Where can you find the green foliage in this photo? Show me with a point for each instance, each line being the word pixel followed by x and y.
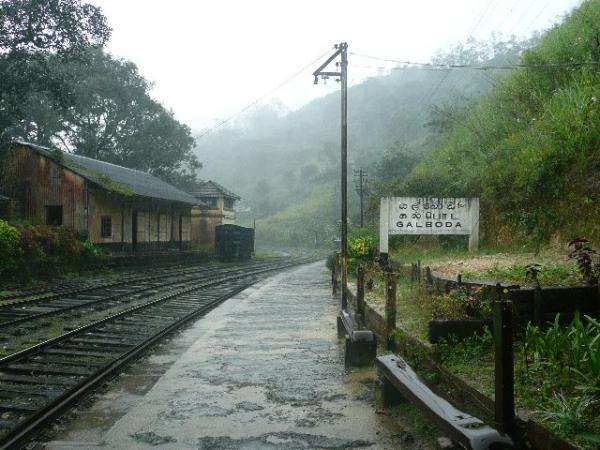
pixel 362 247
pixel 9 248
pixel 461 303
pixel 113 185
pixel 53 25
pixel 566 351
pixel 571 415
pixel 59 88
pixel 36 40
pixel 559 274
pixel 47 250
pixel 308 223
pixel 122 124
pixel 455 350
pixel 297 153
pixel 562 368
pixel 538 132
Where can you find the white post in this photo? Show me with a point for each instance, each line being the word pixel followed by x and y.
pixel 474 236
pixel 384 219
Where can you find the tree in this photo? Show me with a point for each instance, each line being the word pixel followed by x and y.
pixel 33 83
pixel 50 25
pixel 395 163
pixel 59 88
pixel 115 119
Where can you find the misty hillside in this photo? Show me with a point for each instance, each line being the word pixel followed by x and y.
pixel 530 148
pixel 274 160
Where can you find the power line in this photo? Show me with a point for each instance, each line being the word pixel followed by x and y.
pixel 262 97
pixel 432 66
pixel 522 16
pixel 481 17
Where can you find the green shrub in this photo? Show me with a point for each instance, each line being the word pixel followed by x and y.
pixel 462 304
pixel 567 351
pixel 46 250
pixel 466 350
pixel 9 248
pixel 362 247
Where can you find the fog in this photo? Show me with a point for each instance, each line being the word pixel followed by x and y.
pixel 209 59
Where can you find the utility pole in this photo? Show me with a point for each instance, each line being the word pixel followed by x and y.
pixel 341 50
pixel 360 182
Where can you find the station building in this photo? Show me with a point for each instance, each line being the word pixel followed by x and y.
pixel 215 207
pixel 116 207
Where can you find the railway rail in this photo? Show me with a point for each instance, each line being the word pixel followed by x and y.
pixel 37 383
pixel 68 287
pixel 100 296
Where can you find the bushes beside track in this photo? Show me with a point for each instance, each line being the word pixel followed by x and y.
pixel 40 250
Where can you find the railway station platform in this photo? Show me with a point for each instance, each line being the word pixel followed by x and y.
pixel 264 370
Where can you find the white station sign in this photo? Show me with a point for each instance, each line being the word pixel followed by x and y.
pixel 429 215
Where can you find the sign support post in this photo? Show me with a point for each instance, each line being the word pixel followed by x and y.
pixel 384 219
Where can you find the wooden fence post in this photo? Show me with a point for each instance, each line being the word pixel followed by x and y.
pixel 334 277
pixel 504 403
pixel 419 271
pixel 428 277
pixel 390 307
pixel 537 306
pixel 360 291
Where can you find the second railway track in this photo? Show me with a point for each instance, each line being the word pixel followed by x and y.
pixel 38 382
pixel 115 290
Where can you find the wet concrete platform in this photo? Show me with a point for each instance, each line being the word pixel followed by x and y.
pixel 262 371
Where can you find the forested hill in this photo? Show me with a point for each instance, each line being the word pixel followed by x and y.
pixel 531 147
pixel 286 165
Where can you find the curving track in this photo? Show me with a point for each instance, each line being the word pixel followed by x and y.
pixel 39 382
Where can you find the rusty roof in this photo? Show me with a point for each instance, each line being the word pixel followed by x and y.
pixel 115 178
pixel 212 189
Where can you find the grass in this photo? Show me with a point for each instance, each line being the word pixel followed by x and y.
pixel 546 391
pixel 493 264
pixel 413 310
pixel 56 328
pixel 559 274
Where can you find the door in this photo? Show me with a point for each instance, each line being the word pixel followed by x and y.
pixel 134 230
pixel 180 231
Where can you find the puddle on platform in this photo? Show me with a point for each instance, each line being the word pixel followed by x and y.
pixel 262 371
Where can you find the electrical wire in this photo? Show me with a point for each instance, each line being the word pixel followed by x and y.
pixel 422 65
pixel 262 97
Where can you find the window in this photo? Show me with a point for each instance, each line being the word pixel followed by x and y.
pixel 229 203
pixel 211 202
pixel 106 226
pixel 54 215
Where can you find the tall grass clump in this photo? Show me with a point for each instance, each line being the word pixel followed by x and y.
pixel 531 148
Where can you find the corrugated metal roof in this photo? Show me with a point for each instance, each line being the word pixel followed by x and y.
pixel 212 189
pixel 115 178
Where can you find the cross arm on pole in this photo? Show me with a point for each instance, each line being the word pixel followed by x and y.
pixel 326 63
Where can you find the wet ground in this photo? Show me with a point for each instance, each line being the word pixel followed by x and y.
pixel 262 371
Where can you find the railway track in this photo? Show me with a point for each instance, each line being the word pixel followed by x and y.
pixel 56 290
pixel 39 382
pixel 101 296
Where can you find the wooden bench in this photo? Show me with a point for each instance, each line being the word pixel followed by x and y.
pixel 401 382
pixel 361 345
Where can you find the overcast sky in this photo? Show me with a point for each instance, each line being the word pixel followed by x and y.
pixel 209 59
